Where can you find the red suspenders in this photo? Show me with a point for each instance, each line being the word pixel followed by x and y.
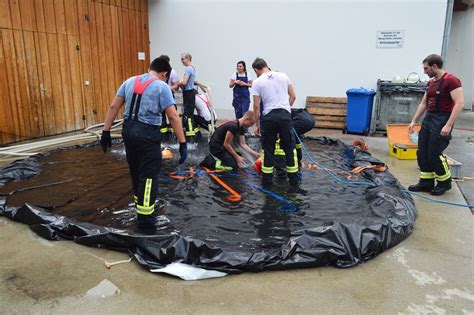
pixel 138 89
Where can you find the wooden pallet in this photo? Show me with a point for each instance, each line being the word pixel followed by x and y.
pixel 330 112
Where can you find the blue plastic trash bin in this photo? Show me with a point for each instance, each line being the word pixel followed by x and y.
pixel 359 110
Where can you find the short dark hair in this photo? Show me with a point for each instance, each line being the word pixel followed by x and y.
pixel 165 57
pixel 259 64
pixel 434 59
pixel 160 65
pixel 241 62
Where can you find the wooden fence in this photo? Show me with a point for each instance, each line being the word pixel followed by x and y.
pixel 61 62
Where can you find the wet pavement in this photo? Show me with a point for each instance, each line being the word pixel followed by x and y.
pixel 430 272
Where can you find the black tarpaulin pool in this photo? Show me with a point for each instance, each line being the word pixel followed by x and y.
pixel 80 194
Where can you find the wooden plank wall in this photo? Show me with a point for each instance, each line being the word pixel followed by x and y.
pixel 330 112
pixel 61 62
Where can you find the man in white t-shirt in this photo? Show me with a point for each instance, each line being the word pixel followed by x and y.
pixel 276 93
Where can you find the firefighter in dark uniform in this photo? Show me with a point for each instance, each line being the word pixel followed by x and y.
pixel 146 97
pixel 275 91
pixel 442 102
pixel 222 155
pixel 189 97
pixel 302 123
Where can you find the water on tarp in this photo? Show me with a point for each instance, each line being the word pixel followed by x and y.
pixel 90 186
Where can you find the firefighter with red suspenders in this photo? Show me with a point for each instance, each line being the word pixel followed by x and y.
pixel 442 102
pixel 146 97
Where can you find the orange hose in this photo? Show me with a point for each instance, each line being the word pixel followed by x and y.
pixel 234 197
pixel 174 174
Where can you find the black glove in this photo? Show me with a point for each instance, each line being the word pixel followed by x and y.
pixel 183 152
pixel 105 140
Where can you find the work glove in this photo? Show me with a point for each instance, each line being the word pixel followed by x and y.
pixel 105 140
pixel 183 152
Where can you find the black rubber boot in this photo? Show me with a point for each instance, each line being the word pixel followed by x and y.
pixel 426 185
pixel 267 180
pixel 147 221
pixel 294 179
pixel 441 188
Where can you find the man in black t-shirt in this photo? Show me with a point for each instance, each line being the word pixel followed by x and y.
pixel 222 154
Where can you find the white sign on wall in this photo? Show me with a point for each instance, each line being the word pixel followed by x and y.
pixel 390 39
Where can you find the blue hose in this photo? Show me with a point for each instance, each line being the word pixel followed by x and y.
pixel 436 200
pixel 347 182
pixel 372 184
pixel 287 207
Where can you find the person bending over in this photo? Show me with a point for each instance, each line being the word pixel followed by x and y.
pixel 222 154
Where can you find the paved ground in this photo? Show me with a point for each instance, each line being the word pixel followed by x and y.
pixel 462 150
pixel 430 272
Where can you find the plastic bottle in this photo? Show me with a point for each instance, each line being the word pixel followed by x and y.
pixel 414 137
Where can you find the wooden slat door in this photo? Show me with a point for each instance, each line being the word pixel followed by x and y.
pixel 60 83
pixel 62 61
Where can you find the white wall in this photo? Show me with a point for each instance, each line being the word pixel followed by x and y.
pixel 325 47
pixel 461 51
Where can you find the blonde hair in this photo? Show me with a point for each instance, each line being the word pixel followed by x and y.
pixel 250 116
pixel 187 56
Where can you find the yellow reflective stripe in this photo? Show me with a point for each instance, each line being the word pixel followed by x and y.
pixel 135 198
pixel 164 130
pixel 267 170
pixel 299 146
pixel 444 162
pixel 443 177
pixel 277 145
pixel 279 152
pixel 145 210
pixel 427 175
pixel 147 193
pixel 219 166
pixel 293 169
pixel 190 131
pixel 295 158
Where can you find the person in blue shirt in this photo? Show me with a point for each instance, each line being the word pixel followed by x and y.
pixel 189 96
pixel 146 97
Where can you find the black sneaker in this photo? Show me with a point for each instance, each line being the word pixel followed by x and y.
pixel 440 189
pixel 421 187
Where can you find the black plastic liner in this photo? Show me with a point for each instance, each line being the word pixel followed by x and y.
pixel 333 224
